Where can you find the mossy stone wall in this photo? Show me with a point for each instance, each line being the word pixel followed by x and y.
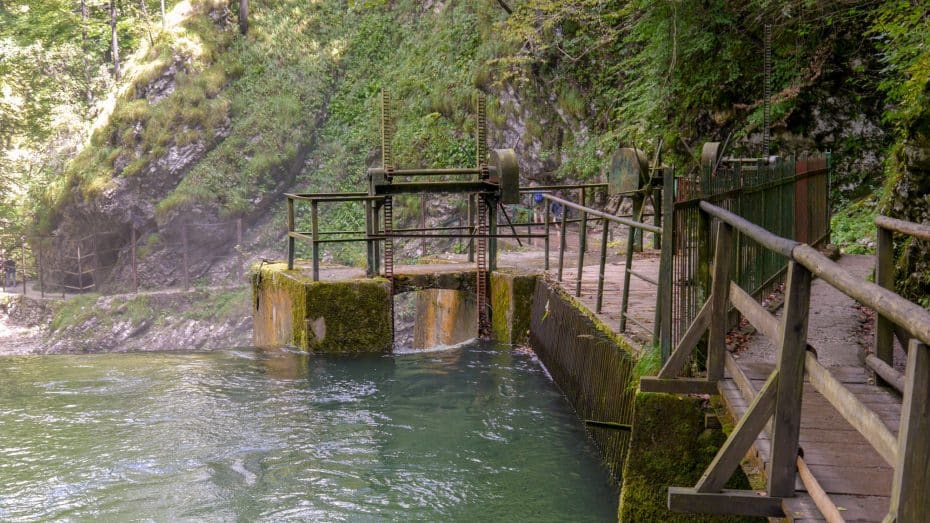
pixel 341 316
pixel 669 446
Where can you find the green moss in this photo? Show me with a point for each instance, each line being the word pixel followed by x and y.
pixel 511 306
pixel 669 446
pixel 342 316
pixel 73 311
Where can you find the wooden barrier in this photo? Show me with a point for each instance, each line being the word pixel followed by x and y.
pixel 778 403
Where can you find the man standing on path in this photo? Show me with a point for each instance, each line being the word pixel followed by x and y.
pixel 9 273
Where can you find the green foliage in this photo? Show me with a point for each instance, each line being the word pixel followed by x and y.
pixel 74 311
pixel 852 229
pixel 902 28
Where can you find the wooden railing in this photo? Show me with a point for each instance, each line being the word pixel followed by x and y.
pixel 885 330
pixel 779 399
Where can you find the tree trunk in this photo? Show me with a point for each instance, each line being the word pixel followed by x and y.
pixel 113 39
pixel 87 92
pixel 243 16
pixel 148 22
pixel 163 15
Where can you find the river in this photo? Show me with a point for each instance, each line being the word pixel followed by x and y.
pixel 473 433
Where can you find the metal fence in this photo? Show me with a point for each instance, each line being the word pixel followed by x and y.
pixel 123 260
pixel 788 197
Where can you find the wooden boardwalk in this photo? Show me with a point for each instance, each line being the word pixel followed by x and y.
pixel 850 471
pixel 855 478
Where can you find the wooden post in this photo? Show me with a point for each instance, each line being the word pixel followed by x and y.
pixel 132 259
pixel 290 239
pixel 884 277
pixel 786 425
pixel 546 240
pixel 315 235
pixel 186 260
pixel 239 260
pixel 720 299
pixel 603 262
pixel 911 484
pixel 562 241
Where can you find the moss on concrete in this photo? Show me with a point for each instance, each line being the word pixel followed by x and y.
pixel 511 306
pixel 669 446
pixel 327 316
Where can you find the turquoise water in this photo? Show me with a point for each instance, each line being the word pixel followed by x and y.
pixel 466 434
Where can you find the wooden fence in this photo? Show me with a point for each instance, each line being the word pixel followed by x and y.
pixel 779 400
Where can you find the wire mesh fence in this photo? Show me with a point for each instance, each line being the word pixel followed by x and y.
pixel 123 260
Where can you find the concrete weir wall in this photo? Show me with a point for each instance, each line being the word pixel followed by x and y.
pixel 591 365
pixel 290 308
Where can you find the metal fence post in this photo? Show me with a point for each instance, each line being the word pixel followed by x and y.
pixel 22 246
pixel 369 248
pixel 290 229
pixel 628 263
pixel 582 245
pixel 546 239
pixel 562 241
pixel 471 227
pixel 603 262
pixel 132 258
pixel 186 260
pixel 239 260
pixel 315 235
pixel 40 266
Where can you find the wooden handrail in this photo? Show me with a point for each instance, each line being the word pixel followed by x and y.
pixel 917 230
pixel 912 317
pixel 768 240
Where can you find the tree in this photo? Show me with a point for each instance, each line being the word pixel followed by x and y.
pixel 87 93
pixel 244 16
pixel 113 39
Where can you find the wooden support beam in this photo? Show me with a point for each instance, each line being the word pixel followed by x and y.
pixel 755 313
pixel 740 440
pixel 719 299
pixel 685 347
pixel 735 502
pixel 853 411
pixel 678 385
pixel 911 484
pixel 786 424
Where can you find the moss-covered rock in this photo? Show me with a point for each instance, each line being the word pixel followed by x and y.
pixel 670 446
pixel 321 316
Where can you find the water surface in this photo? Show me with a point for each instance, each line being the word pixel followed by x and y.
pixel 466 434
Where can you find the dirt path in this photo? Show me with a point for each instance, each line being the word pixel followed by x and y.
pixel 835 326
